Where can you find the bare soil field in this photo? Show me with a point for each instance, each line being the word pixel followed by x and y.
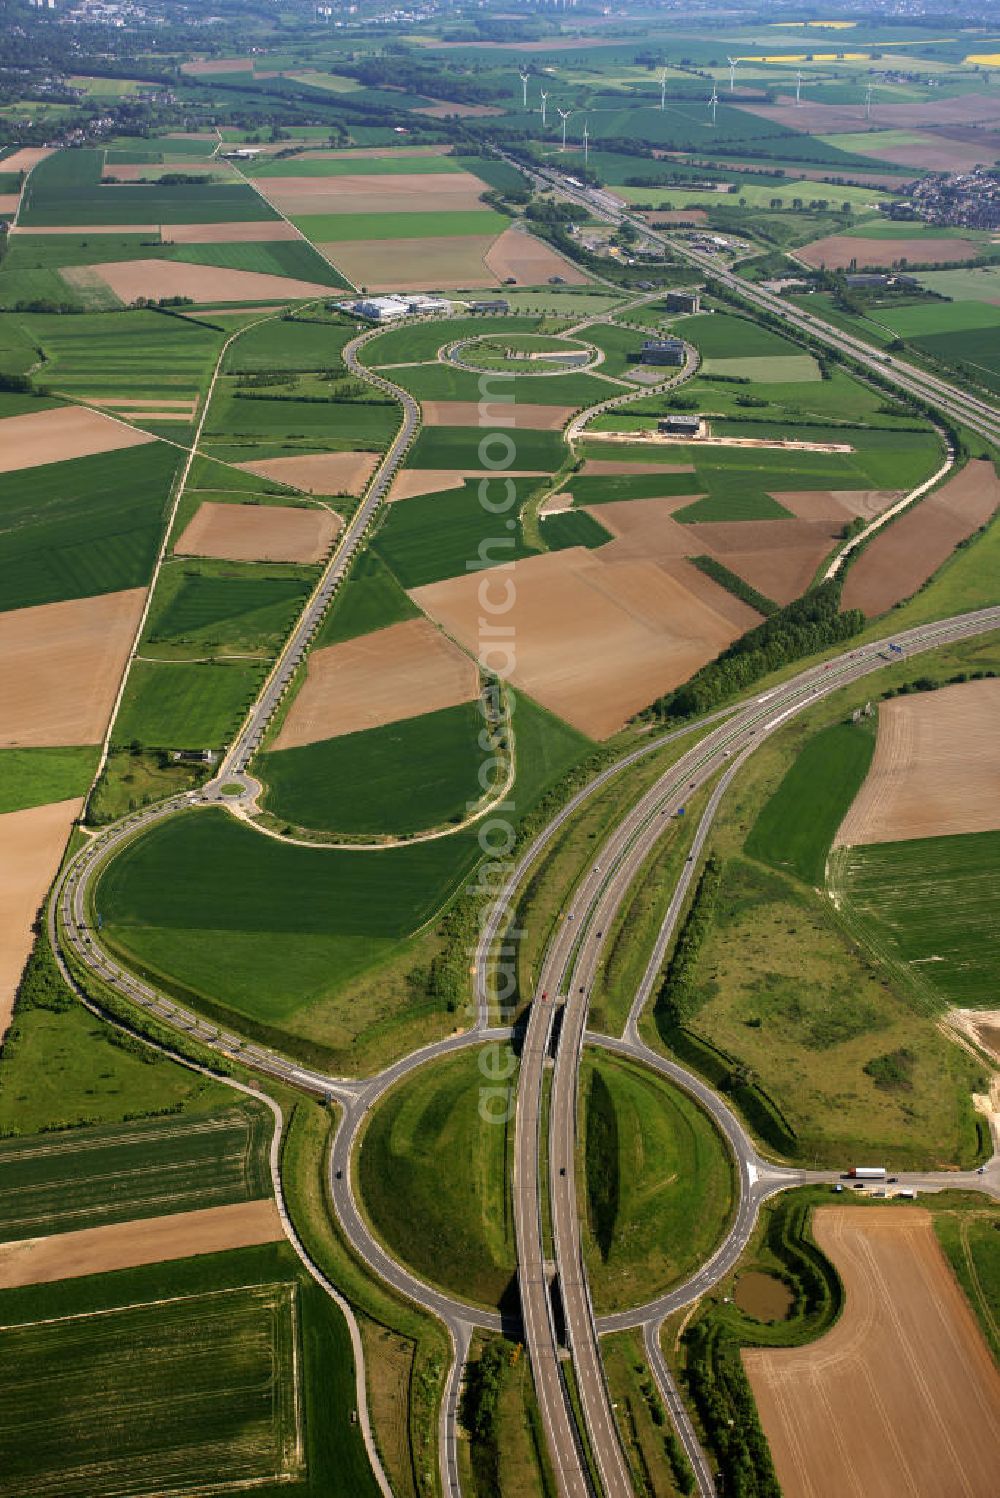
pixel 217 65
pixel 836 504
pixel 151 229
pixel 910 549
pixel 491 414
pixel 836 251
pixel 31 846
pixel 902 1395
pixel 24 159
pixel 265 231
pixel 597 638
pixel 456 261
pixel 823 173
pixel 531 261
pixel 935 153
pixel 395 673
pixel 413 482
pixel 778 557
pixel 443 108
pixel 60 666
pixel 319 473
pixel 833 119
pixel 646 527
pixel 376 153
pixel 9 202
pixel 258 533
pixel 675 215
pixel 935 770
pixel 608 467
pixel 64 432
pixel 129 279
pixel 372 193
pixel 126 1245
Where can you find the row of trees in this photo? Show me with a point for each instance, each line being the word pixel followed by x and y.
pixel 676 1001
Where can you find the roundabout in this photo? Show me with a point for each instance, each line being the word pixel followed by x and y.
pixel 534 354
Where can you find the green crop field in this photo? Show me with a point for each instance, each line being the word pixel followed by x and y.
pixel 185 704
pixel 36 777
pixel 769 369
pixel 246 1369
pixel 572 528
pixel 795 829
pixel 370 599
pixel 599 489
pixel 332 166
pixel 339 228
pixel 57 1183
pixel 399 778
pixel 272 257
pixel 66 189
pixel 422 340
pixel 129 354
pixel 722 335
pixel 437 535
pixel 932 906
pixel 434 1177
pixel 929 318
pixel 288 343
pixel 476 447
pixel 310 425
pixel 86 526
pixel 228 607
pixel 655 1181
pixel 975 350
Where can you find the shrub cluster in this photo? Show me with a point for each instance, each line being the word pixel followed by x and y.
pixel 675 1001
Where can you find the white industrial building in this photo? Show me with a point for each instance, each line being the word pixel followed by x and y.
pixel 388 308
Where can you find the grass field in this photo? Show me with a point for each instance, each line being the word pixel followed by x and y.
pixel 247 1369
pixel 421 340
pixel 132 354
pixel 184 704
pixel 90 525
pixel 370 599
pixel 288 343
pixel 655 1180
pixel 434 1178
pixel 238 423
pixel 332 166
pixel 339 228
pixel 442 382
pixel 400 778
pixel 971 1240
pixel 459 447
pixel 924 318
pixel 439 535
pixel 974 350
pixel 66 189
pixel 225 608
pixel 723 335
pixel 931 907
pixel 58 1183
pixel 34 777
pixel 796 827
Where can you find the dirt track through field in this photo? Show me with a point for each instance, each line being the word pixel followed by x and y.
pixel 150 1240
pixel 909 550
pixel 902 1396
pixel 454 261
pixel 395 673
pixel 60 665
pixel 936 769
pixel 129 279
pixel 31 846
pixel 258 533
pixel 64 432
pixel 596 638
pixel 530 261
pixel 319 473
pixel 491 414
pixel 837 251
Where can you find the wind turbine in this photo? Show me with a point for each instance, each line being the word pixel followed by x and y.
pixel 663 88
pixel 713 102
pixel 544 97
pixel 564 115
pixel 798 87
pixel 586 144
pixel 868 100
pixel 524 74
pixel 732 61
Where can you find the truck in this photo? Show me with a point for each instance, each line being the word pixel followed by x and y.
pixel 866 1173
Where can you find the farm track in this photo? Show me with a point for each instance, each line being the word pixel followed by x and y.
pixel 574 960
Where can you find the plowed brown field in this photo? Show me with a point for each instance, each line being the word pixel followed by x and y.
pixel 595 639
pixel 906 553
pixel 982 107
pixel 530 261
pixel 319 473
pixel 64 432
pixel 902 1396
pixel 413 482
pixel 375 193
pixel 496 414
pixel 31 846
pixel 8 203
pixel 24 159
pixel 129 279
pixel 126 1245
pixel 395 673
pixel 936 769
pixel 258 533
pixel 415 264
pixel 264 230
pixel 60 666
pixel 831 504
pixel 837 251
